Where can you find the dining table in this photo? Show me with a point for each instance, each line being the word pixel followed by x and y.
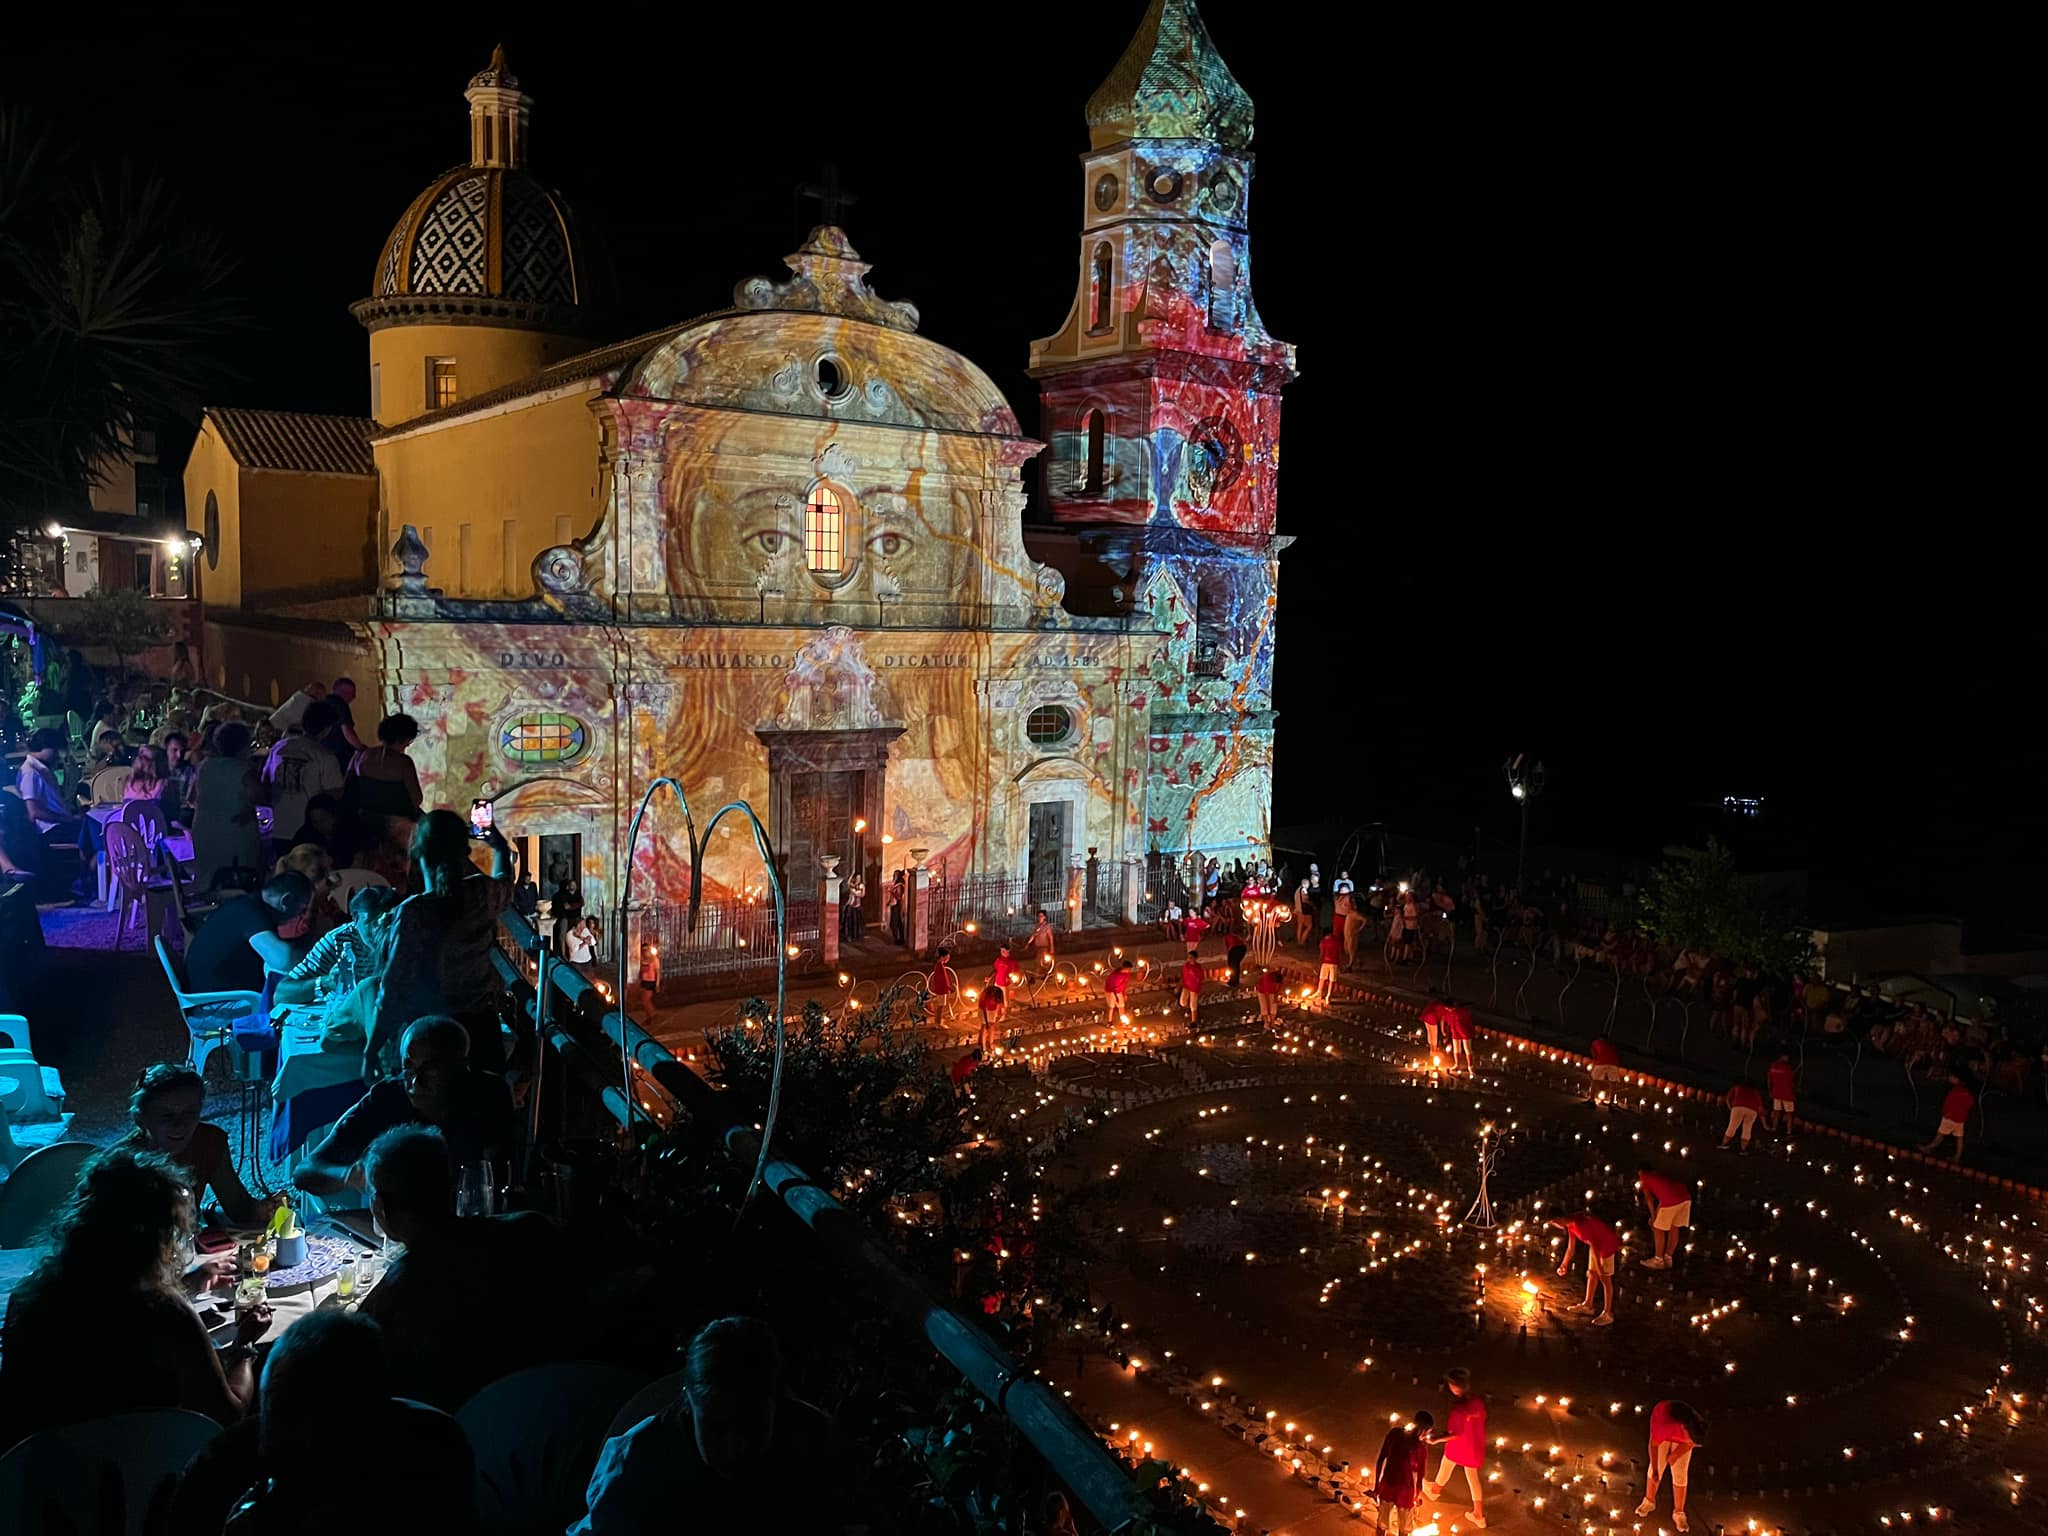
pixel 315 1082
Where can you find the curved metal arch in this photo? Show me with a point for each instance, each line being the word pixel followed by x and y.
pixel 698 843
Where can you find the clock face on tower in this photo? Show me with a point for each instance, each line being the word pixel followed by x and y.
pixel 1106 189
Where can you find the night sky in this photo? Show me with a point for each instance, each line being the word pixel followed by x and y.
pixel 1660 396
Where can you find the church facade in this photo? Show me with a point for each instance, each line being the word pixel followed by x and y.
pixel 778 553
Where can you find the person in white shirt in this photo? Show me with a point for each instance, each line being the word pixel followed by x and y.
pixel 300 767
pixel 580 946
pixel 56 819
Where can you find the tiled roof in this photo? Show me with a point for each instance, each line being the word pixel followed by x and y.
pixel 300 440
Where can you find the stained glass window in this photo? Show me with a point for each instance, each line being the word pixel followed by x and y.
pixel 825 532
pixel 1048 725
pixel 544 738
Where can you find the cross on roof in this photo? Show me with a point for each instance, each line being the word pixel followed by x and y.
pixel 828 195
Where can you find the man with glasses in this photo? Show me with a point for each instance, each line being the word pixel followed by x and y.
pixel 435 1087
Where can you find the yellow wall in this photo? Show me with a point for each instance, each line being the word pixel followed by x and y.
pixel 263 663
pixel 534 466
pixel 284 535
pixel 486 356
pixel 212 469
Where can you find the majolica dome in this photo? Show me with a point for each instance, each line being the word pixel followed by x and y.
pixel 486 240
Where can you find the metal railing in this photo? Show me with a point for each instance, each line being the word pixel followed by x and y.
pixel 734 937
pixel 562 994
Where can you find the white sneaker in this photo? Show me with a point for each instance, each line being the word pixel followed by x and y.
pixel 1678 1519
pixel 1647 1507
pixel 1604 1320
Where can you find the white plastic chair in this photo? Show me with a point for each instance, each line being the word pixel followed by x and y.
pixel 14 1033
pixel 38 1092
pixel 210 1017
pixel 110 785
pixel 109 1477
pixel 33 1193
pixel 537 1435
pixel 646 1403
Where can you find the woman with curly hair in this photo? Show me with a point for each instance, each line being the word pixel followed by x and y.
pixel 100 1327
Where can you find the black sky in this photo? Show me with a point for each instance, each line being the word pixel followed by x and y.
pixel 1661 391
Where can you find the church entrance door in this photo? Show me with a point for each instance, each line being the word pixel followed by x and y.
pixel 822 810
pixel 1047 872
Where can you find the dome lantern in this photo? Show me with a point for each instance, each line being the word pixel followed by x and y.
pixel 499 115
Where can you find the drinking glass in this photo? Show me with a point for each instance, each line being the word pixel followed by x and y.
pixel 476 1194
pixel 345 1279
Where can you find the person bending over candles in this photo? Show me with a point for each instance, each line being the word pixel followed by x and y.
pixel 1464 1443
pixel 437 1088
pixel 1670 1206
pixel 1116 990
pixel 1675 1429
pixel 733 1453
pixel 457 1305
pixel 1457 1020
pixel 167 1108
pixel 1745 1104
pixel 995 1002
pixel 1433 1021
pixel 1602 1244
pixel 1398 1474
pixel 100 1327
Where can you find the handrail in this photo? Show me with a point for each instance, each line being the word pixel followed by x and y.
pixel 1074 1453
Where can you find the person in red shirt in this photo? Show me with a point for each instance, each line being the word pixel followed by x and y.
pixel 1007 971
pixel 1332 951
pixel 1956 1106
pixel 1464 1443
pixel 965 1067
pixel 995 1003
pixel 1670 1206
pixel 1397 1477
pixel 1457 1020
pixel 1268 990
pixel 1783 1082
pixel 1116 990
pixel 1606 1063
pixel 1745 1103
pixel 1191 978
pixel 945 984
pixel 1196 925
pixel 1675 1429
pixel 1602 1244
pixel 1433 1023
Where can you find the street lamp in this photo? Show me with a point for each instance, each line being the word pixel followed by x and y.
pixel 1525 783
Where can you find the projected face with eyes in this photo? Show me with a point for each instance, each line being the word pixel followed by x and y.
pixel 826 542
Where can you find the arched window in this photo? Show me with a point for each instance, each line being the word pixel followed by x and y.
pixel 825 532
pixel 1092 478
pixel 1101 287
pixel 211 532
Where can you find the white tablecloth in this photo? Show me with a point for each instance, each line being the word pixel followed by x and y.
pixel 301 1064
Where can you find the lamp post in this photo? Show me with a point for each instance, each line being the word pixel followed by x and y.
pixel 1525 783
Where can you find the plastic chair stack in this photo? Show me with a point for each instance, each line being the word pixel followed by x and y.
pixel 38 1094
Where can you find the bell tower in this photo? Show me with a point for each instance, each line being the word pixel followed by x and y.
pixel 1160 400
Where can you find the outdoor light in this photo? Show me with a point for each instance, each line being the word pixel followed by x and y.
pixel 860 823
pixel 54 529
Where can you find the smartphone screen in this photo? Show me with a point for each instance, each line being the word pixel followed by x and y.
pixel 481 816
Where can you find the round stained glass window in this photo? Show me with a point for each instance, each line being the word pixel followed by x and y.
pixel 544 738
pixel 1048 725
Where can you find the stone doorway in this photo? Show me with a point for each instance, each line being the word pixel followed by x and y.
pixel 820 784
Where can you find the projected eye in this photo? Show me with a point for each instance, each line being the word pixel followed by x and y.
pixel 888 544
pixel 772 542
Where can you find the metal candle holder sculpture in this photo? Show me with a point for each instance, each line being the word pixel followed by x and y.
pixel 1481 1214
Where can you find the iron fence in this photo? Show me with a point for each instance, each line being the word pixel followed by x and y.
pixel 729 938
